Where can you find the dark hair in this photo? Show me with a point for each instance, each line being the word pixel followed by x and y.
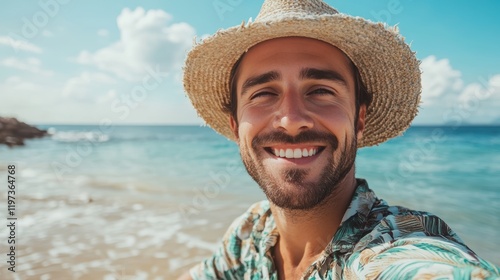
pixel 231 107
pixel 362 94
pixel 363 97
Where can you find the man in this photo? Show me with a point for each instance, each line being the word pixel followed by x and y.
pixel 299 90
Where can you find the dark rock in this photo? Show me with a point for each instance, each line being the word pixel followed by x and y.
pixel 13 132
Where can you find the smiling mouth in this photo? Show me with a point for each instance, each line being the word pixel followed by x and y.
pixel 297 152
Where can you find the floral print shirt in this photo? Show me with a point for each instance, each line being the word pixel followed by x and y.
pixel 374 241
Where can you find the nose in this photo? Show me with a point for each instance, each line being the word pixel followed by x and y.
pixel 292 116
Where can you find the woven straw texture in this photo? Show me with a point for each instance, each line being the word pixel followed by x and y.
pixel 388 68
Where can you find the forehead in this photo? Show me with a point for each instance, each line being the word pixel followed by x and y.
pixel 307 49
pixel 293 56
pixel 289 50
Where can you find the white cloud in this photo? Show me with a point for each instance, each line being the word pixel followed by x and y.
pixel 495 83
pixel 103 33
pixel 38 100
pixel 147 39
pixel 483 99
pixel 15 84
pixel 31 64
pixel 88 86
pixel 19 44
pixel 31 99
pixel 147 58
pixel 447 99
pixel 438 78
pixel 110 95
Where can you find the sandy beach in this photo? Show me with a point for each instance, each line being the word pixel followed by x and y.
pixel 92 237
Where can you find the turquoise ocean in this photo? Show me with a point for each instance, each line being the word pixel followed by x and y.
pixel 147 202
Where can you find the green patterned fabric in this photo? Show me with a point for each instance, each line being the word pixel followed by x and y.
pixel 374 241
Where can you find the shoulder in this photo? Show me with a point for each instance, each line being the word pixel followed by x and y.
pixel 256 219
pixel 405 222
pixel 240 245
pixel 390 223
pixel 403 242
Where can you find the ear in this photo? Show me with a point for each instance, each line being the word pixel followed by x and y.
pixel 361 122
pixel 234 127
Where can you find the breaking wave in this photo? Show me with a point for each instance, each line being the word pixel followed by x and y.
pixel 77 136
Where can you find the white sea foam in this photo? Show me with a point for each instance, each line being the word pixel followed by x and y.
pixel 77 136
pixel 29 173
pixel 195 242
pixel 51 131
pixel 160 255
pixel 175 263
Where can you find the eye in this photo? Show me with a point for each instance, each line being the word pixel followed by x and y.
pixel 262 94
pixel 321 91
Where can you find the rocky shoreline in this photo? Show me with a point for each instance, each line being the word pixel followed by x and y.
pixel 14 132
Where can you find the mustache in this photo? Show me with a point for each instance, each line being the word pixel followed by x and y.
pixel 303 137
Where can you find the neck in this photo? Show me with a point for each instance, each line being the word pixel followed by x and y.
pixel 304 234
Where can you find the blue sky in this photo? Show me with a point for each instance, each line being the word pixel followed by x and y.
pixel 64 61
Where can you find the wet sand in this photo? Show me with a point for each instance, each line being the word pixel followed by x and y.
pixel 91 237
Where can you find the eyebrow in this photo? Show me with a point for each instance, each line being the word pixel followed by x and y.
pixel 305 73
pixel 260 79
pixel 322 74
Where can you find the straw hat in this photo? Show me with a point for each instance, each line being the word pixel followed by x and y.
pixel 388 68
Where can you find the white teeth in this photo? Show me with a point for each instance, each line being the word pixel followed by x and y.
pixel 295 153
pixel 305 153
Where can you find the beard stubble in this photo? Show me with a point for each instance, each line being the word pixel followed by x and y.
pixel 311 194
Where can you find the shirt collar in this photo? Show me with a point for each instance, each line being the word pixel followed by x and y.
pixel 349 232
pixel 353 223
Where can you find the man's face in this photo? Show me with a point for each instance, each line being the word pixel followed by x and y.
pixel 296 118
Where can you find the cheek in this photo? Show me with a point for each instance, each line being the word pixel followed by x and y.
pixel 247 133
pixel 253 119
pixel 336 119
pixel 337 115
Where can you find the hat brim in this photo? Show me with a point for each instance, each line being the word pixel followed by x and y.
pixel 387 66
